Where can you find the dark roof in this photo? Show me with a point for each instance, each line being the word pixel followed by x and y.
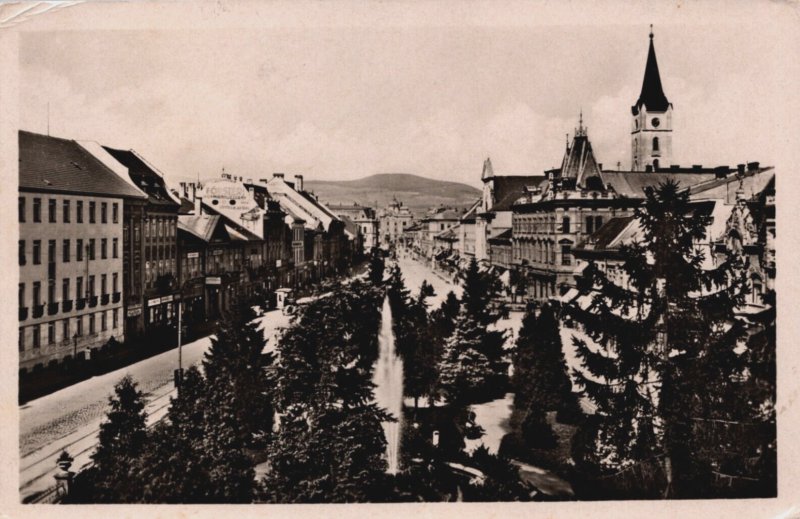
pixel 61 165
pixel 504 238
pixel 631 184
pixel 350 225
pixel 144 177
pixel 579 162
pixel 607 233
pixel 187 206
pixel 652 95
pixel 508 189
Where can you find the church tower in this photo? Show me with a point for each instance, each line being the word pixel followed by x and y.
pixel 651 130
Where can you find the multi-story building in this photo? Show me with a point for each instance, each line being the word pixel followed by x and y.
pixel 393 221
pixel 493 215
pixel 466 232
pixel 435 222
pixel 151 306
pixel 363 217
pixel 70 250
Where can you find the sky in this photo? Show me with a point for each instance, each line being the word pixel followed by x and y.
pixel 333 101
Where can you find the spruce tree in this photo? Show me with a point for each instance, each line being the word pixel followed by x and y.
pixel 122 440
pixel 376 267
pixel 236 366
pixel 649 335
pixel 480 289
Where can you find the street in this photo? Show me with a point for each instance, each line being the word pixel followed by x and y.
pixel 70 418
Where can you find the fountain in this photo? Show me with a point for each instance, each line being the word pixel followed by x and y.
pixel 388 379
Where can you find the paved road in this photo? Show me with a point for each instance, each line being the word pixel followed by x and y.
pixel 70 418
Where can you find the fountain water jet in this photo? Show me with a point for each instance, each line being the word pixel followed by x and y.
pixel 388 379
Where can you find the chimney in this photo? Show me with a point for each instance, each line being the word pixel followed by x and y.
pixel 249 180
pixel 183 189
pixel 600 166
pixel 740 169
pixel 198 205
pixel 298 182
pixel 721 172
pixel 277 175
pixel 263 180
pixel 752 166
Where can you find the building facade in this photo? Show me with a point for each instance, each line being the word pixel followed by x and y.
pixel 366 221
pixel 71 286
pixel 393 221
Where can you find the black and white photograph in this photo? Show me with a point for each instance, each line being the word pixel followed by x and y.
pixel 400 253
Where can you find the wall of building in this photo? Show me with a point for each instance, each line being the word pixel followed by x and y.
pixel 63 329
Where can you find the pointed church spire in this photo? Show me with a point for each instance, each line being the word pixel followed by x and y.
pixel 652 96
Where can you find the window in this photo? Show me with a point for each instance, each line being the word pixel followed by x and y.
pixel 115 248
pixel 22 260
pixel 598 222
pixel 115 318
pixel 22 295
pixel 79 325
pixel 37 293
pixel 114 282
pixel 79 288
pixel 90 249
pixel 37 252
pixel 103 212
pixel 36 338
pixel 92 211
pixel 103 248
pixel 115 212
pixel 103 325
pixel 566 259
pixel 79 211
pixel 37 209
pixel 103 284
pixel 90 287
pixel 65 211
pixel 65 295
pixel 655 143
pixel 65 329
pixel 51 251
pixel 565 224
pixel 51 210
pixel 51 291
pixel 22 339
pixel 79 250
pixel 91 324
pixel 21 209
pixel 589 225
pixel 51 332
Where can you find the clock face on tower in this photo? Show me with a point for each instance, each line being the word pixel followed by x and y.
pixel 655 122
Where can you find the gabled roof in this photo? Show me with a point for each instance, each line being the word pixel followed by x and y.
pixel 469 216
pixel 444 214
pixel 201 226
pixel 652 95
pixel 61 165
pixel 447 234
pixel 144 177
pixel 509 189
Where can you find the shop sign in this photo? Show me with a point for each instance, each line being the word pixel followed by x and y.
pixel 167 299
pixel 216 280
pixel 278 263
pixel 193 255
pixel 154 302
pixel 216 252
pixel 133 312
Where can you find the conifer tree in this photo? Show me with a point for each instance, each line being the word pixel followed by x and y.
pixel 472 365
pixel 541 382
pixel 122 439
pixel 236 367
pixel 650 335
pixel 480 288
pixel 376 267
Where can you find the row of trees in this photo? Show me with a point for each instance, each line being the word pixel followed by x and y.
pixel 202 452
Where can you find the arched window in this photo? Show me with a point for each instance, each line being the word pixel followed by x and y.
pixel 655 143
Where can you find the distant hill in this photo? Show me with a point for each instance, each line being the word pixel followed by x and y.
pixel 414 191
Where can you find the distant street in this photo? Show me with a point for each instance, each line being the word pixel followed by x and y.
pixel 70 418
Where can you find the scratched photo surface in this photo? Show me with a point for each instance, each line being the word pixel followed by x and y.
pixel 390 253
